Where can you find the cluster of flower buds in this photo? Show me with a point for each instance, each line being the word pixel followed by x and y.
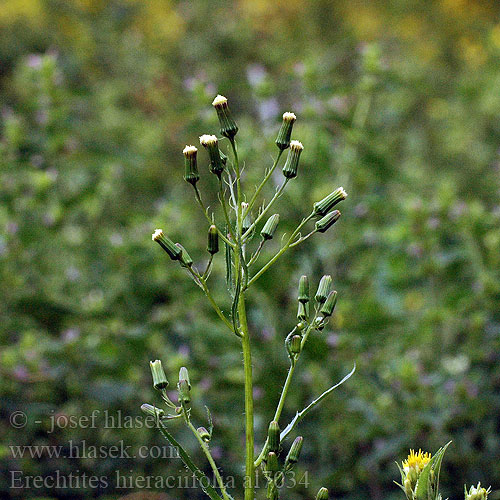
pixel 477 493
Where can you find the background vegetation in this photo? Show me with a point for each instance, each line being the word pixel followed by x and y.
pixel 398 101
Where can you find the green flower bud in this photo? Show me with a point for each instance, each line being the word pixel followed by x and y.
pixel 304 289
pixel 174 252
pixel 303 311
pixel 184 375
pixel 159 378
pixel 191 174
pixel 327 221
pixel 228 126
pixel 324 288
pixel 204 434
pixel 273 436
pixel 322 494
pixel 328 307
pixel 247 221
pixel 213 240
pixel 270 227
pixel 292 160
pixel 184 394
pixel 326 204
pixel 152 411
pixel 185 258
pixel 296 344
pixel 272 462
pixel 477 493
pixel 285 131
pixel 211 144
pixel 295 449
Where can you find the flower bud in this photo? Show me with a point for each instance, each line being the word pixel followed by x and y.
pixel 296 344
pixel 184 394
pixel 270 227
pixel 213 240
pixel 324 287
pixel 185 258
pixel 295 449
pixel 327 221
pixel 204 434
pixel 303 311
pixel 184 375
pixel 211 144
pixel 174 252
pixel 326 204
pixel 228 126
pixel 273 436
pixel 191 174
pixel 304 289
pixel 285 131
pixel 247 221
pixel 322 494
pixel 152 411
pixel 477 493
pixel 292 160
pixel 328 307
pixel 159 378
pixel 272 462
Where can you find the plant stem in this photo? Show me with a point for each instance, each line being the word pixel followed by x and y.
pixel 249 428
pixel 210 459
pixel 263 183
pixel 224 208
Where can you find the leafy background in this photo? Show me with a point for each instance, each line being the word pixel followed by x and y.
pixel 398 101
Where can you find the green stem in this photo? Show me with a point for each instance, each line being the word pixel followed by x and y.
pixel 249 424
pixel 224 208
pixel 263 183
pixel 188 462
pixel 210 459
pixel 281 252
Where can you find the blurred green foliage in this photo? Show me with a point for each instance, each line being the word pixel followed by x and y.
pixel 397 101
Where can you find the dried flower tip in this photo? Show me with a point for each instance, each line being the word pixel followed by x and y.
pixel 191 174
pixel 211 144
pixel 296 344
pixel 204 434
pixel 174 252
pixel 328 307
pixel 477 493
pixel 159 378
pixel 292 160
pixel 228 126
pixel 324 288
pixel 303 311
pixel 285 131
pixel 184 375
pixel 272 462
pixel 270 226
pixel 295 449
pixel 327 221
pixel 185 258
pixel 322 494
pixel 152 411
pixel 273 436
pixel 327 203
pixel 213 240
pixel 304 289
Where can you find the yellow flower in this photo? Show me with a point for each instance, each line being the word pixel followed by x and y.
pixel 416 461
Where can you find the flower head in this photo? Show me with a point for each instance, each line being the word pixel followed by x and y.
pixel 416 461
